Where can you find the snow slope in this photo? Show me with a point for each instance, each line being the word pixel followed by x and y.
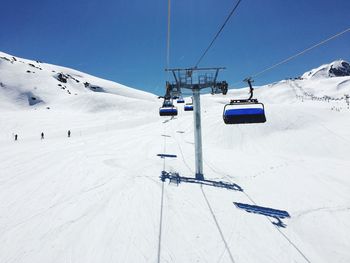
pixel 95 197
pixel 26 83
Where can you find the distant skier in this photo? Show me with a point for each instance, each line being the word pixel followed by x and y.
pixel 16 136
pixel 68 133
pixel 42 135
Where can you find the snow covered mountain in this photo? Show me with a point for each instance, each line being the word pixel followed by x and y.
pixel 339 68
pixel 26 83
pixel 96 196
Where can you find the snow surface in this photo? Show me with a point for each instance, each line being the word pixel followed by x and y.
pixel 95 197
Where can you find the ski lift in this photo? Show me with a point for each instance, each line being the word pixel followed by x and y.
pixel 168 109
pixel 244 111
pixel 174 92
pixel 180 100
pixel 220 88
pixel 188 107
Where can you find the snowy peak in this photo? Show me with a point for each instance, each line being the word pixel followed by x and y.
pixel 338 68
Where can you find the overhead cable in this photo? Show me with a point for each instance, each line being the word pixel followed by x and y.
pixel 301 53
pixel 218 33
pixel 168 37
pixel 164 144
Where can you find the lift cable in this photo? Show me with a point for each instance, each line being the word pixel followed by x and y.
pixel 218 33
pixel 299 54
pixel 165 140
pixel 168 37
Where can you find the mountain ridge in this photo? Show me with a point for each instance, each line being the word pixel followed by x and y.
pixel 337 68
pixel 33 83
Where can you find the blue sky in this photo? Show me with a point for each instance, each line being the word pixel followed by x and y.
pixel 125 40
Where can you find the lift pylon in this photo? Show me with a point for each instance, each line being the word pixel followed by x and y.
pixel 197 79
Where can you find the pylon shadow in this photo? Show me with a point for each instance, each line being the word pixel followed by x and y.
pixel 177 179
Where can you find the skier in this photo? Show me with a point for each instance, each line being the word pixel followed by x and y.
pixel 68 133
pixel 16 136
pixel 42 135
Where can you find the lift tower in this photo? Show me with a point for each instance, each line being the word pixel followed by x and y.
pixel 197 79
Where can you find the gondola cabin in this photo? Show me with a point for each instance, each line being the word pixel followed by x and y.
pixel 244 112
pixel 188 107
pixel 168 111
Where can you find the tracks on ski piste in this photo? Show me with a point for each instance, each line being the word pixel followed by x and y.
pixel 276 227
pixel 160 223
pixel 219 228
pixel 213 168
pixel 281 232
pixel 219 184
pixel 162 198
pixel 217 224
pixel 164 157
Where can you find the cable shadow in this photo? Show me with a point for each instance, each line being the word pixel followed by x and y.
pixel 177 179
pixel 266 211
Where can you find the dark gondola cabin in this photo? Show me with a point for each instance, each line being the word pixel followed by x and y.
pixel 188 107
pixel 241 112
pixel 168 109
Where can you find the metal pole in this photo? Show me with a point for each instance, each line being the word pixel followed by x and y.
pixel 197 132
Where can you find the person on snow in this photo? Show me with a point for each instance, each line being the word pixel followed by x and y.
pixel 42 135
pixel 68 133
pixel 16 136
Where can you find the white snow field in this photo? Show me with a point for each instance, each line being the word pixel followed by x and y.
pixel 96 196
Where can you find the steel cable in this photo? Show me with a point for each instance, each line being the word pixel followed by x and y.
pixel 218 33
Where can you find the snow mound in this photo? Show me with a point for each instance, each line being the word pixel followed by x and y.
pixel 338 68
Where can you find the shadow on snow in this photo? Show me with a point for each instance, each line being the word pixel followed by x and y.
pixel 177 179
pixel 266 211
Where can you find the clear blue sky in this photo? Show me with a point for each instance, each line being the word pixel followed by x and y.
pixel 125 40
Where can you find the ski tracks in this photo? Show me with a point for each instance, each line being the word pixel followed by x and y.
pixel 217 226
